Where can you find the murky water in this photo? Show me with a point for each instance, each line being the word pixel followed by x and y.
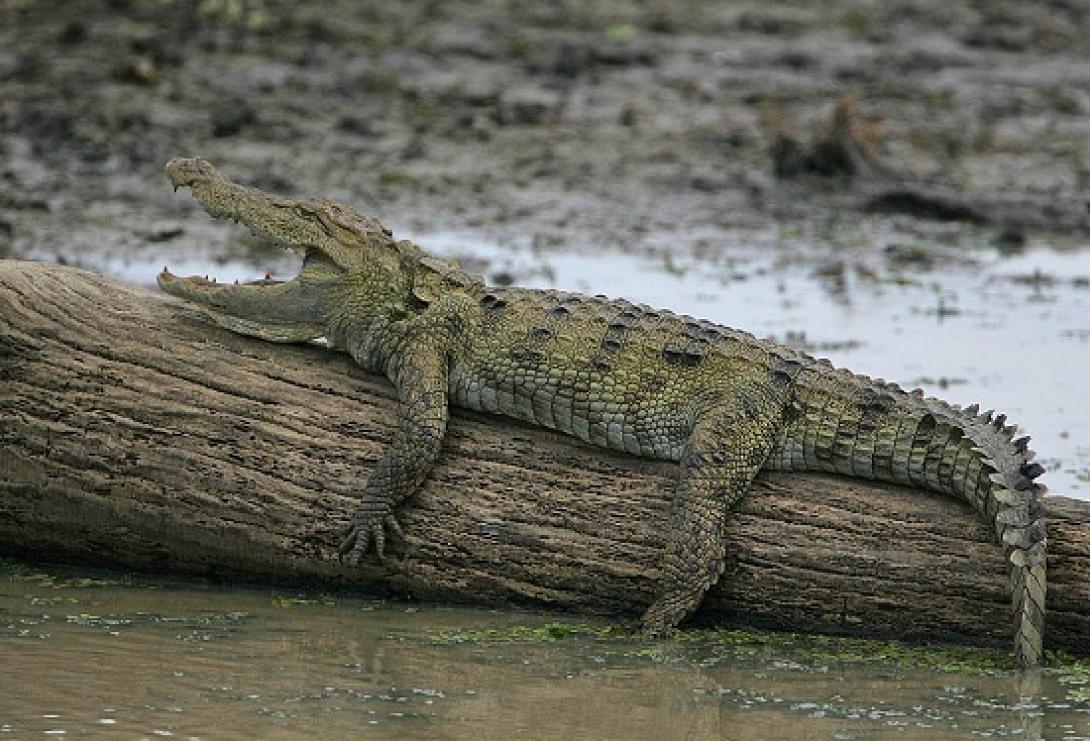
pixel 111 656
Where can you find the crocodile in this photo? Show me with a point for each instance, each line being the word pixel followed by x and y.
pixel 721 403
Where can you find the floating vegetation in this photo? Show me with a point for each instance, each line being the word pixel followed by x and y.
pixel 708 647
pixel 59 579
pixel 545 633
pixel 1071 673
pixel 288 601
pixel 820 650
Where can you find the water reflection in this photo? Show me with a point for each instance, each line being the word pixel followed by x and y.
pixel 104 656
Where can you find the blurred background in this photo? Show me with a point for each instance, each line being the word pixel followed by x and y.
pixel 898 186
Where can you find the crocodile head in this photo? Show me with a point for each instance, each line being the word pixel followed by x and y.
pixel 348 260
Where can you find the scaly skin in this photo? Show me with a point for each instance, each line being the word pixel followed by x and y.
pixel 721 403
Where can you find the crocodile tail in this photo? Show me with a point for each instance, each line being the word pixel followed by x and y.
pixel 862 427
pixel 1009 498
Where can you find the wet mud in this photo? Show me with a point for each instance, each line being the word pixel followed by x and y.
pixel 592 122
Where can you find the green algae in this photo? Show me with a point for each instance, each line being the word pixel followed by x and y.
pixel 17 571
pixel 821 650
pixel 621 33
pixel 545 633
pixel 286 602
pixel 250 15
pixel 708 647
pixel 1072 673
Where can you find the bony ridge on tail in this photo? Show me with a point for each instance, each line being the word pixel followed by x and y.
pixel 624 376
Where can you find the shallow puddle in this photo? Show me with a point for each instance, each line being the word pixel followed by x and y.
pixel 112 656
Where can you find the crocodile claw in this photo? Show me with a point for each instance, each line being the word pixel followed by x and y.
pixel 369 529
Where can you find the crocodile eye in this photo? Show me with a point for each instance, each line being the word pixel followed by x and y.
pixel 314 217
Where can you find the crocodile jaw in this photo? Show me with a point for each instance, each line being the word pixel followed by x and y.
pixel 273 311
pixel 334 240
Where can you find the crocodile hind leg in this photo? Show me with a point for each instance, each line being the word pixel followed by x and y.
pixel 726 448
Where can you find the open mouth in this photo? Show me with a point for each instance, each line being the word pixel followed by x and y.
pixel 167 276
pixel 293 310
pixel 240 272
pixel 258 247
pixel 276 222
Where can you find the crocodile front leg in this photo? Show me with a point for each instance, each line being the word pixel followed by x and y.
pixel 420 375
pixel 727 447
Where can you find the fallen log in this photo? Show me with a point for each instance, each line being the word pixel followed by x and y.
pixel 135 434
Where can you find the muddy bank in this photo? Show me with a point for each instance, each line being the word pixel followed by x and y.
pixel 522 118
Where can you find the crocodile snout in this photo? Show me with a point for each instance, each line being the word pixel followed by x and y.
pixel 185 171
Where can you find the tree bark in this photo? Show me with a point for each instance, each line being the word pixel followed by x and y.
pixel 133 433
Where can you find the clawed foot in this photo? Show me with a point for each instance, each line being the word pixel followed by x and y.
pixel 369 526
